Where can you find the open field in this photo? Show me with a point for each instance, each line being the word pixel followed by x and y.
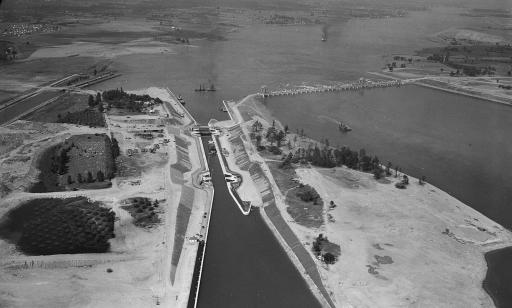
pixel 69 102
pixel 411 229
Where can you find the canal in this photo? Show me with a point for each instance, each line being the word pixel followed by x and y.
pixel 244 265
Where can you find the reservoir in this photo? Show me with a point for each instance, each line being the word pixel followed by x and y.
pixel 244 265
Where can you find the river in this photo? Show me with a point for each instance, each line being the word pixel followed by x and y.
pixel 459 143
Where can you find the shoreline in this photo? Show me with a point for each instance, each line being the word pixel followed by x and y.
pixel 293 258
pixel 484 247
pixel 459 91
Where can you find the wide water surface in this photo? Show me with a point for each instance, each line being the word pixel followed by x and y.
pixel 459 143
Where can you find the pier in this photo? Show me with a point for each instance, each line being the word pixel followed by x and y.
pixel 354 86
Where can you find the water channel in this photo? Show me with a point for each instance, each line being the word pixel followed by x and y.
pixel 244 265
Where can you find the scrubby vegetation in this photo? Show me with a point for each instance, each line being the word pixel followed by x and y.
pixel 305 206
pixel 327 251
pixel 143 210
pixel 472 60
pixel 324 156
pixel 89 117
pixel 320 154
pixel 72 108
pixel 59 226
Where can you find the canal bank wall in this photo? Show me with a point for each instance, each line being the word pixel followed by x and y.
pixel 226 170
pixel 195 178
pixel 201 249
pixel 291 244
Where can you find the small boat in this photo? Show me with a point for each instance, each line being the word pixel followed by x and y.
pixel 324 37
pixel 344 127
pixel 201 88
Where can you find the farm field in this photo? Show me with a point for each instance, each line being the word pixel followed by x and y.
pixel 80 160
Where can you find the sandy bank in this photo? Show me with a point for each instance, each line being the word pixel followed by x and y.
pixel 435 242
pixel 416 247
pixel 485 88
pixel 93 49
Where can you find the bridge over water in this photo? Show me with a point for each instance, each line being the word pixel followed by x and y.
pixel 354 86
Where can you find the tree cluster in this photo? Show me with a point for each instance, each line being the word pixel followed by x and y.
pixel 59 161
pixel 63 226
pixel 274 135
pixel 92 102
pixel 307 194
pixel 88 117
pixel 318 244
pixel 133 102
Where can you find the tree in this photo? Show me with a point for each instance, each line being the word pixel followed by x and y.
pixel 70 180
pixel 258 141
pixel 286 129
pixel 255 126
pixel 405 180
pixel 79 178
pixel 317 248
pixel 100 177
pixel 271 135
pixel 362 152
pixel 422 180
pixel 89 177
pixel 98 98
pixel 280 137
pixel 115 148
pixel 307 194
pixel 329 258
pixel 287 162
pixel 377 173
pixel 388 169
pixel 91 101
pixel 375 162
pixel 100 107
pixel 366 163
